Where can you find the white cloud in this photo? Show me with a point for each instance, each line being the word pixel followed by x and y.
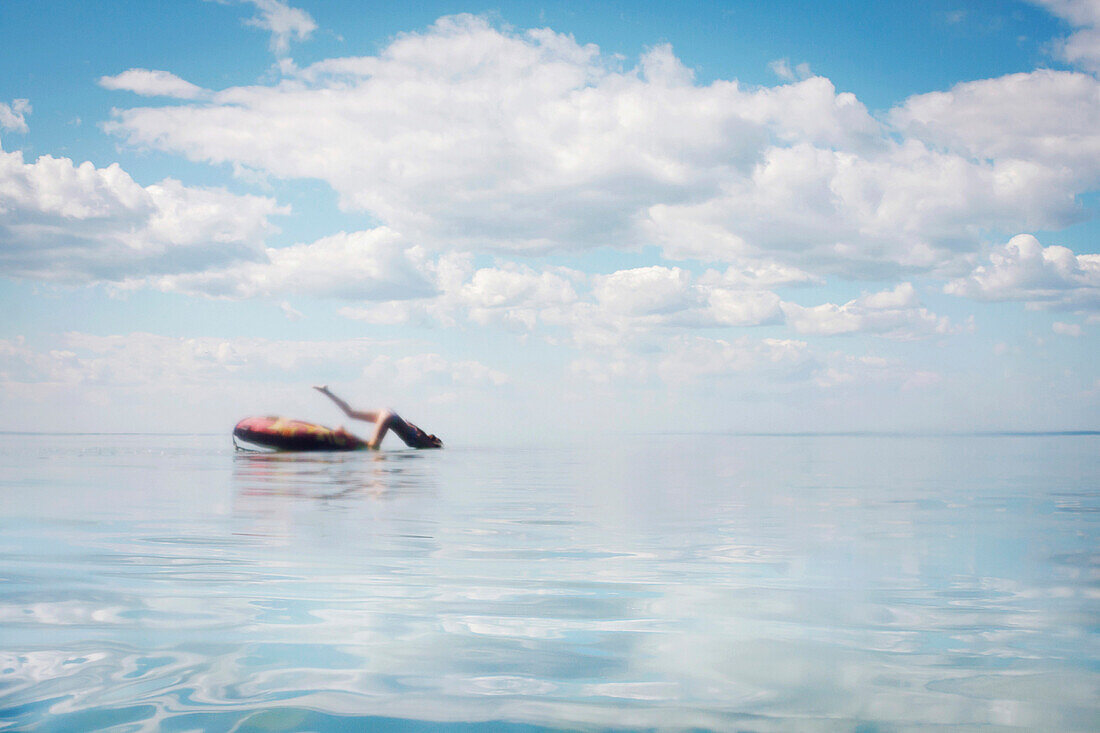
pixel 686 359
pixel 729 307
pixel 1045 277
pixel 13 116
pixel 645 291
pixel 509 294
pixel 146 358
pixel 284 22
pixel 1067 329
pixel 751 364
pixel 1045 117
pixel 388 313
pixel 894 314
pixel 421 369
pixel 1077 12
pixel 515 295
pixel 375 264
pixel 78 223
pixel 841 369
pixel 1083 49
pixel 641 308
pixel 517 286
pixel 292 313
pixel 593 310
pixel 153 83
pixel 1083 46
pixel 648 297
pixel 232 377
pixel 907 208
pixel 21 363
pixel 689 358
pixel 144 377
pixel 468 137
pixel 782 69
pixel 750 274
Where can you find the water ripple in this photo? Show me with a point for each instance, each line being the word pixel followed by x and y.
pixel 757 584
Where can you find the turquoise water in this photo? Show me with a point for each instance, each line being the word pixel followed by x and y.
pixel 708 582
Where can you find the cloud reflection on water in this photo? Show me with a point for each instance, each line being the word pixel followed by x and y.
pixel 761 587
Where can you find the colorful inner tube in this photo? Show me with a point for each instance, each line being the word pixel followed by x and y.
pixel 284 434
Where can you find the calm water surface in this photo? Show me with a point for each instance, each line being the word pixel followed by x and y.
pixel 720 583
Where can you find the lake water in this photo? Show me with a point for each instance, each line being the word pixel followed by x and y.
pixel 658 582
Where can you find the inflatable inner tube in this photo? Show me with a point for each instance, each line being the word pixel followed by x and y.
pixel 284 434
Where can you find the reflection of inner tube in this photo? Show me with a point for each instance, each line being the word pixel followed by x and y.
pixel 280 433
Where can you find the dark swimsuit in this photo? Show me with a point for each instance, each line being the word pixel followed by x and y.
pixel 413 436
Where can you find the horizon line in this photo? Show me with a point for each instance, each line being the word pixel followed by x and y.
pixel 882 433
pixel 741 433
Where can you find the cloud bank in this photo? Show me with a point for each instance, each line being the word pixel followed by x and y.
pixel 470 137
pixel 1044 277
pixel 71 223
pixel 630 225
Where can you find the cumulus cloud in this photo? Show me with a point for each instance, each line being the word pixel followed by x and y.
pixel 894 314
pixel 1044 277
pixel 137 359
pixel 751 364
pixel 78 223
pixel 13 116
pixel 647 297
pixel 690 358
pixel 1081 48
pixel 1067 329
pixel 601 310
pixel 782 68
pixel 909 208
pixel 645 291
pixel 1045 118
pixel 687 359
pixel 375 264
pixel 291 313
pixel 421 368
pixel 515 294
pixel 284 22
pixel 469 137
pixel 153 83
pixel 760 275
pixel 145 358
pixel 838 369
pixel 642 308
pixel 509 294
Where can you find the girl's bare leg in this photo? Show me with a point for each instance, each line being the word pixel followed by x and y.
pixel 385 420
pixel 382 423
pixel 365 415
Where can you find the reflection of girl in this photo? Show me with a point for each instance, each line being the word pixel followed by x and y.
pixel 385 420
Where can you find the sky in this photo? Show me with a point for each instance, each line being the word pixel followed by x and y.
pixel 524 222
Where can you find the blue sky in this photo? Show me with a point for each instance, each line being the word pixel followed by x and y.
pixel 521 221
